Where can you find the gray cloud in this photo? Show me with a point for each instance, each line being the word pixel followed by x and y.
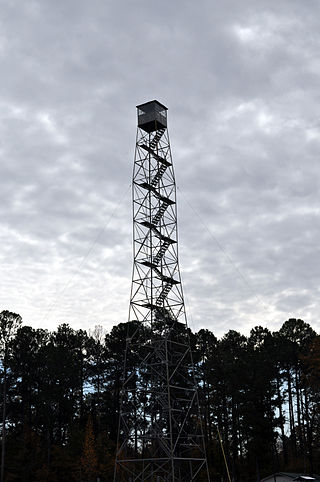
pixel 241 83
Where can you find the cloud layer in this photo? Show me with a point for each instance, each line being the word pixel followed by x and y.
pixel 241 81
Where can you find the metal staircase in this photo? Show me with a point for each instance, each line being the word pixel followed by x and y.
pixel 156 138
pixel 158 257
pixel 160 213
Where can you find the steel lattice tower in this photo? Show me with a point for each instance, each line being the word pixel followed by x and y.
pixel 160 432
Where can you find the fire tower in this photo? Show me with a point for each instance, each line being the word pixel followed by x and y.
pixel 160 433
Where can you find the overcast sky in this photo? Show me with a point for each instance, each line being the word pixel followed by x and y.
pixel 241 82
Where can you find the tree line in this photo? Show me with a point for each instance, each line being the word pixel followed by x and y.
pixel 259 397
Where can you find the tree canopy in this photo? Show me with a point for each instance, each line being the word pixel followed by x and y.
pixel 61 399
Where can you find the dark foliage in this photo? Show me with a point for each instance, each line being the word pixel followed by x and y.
pixel 61 390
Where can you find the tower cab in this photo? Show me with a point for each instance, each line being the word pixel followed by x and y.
pixel 152 116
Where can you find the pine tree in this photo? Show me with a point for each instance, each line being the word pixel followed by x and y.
pixel 9 323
